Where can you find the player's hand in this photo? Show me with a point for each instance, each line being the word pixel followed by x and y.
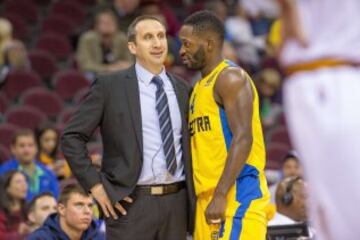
pixel 215 212
pixel 101 197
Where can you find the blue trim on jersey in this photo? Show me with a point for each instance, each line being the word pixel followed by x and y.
pixel 221 231
pixel 231 63
pixel 247 190
pixel 225 127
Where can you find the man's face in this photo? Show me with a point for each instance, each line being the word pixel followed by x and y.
pixel 292 168
pixel 77 213
pixel 150 46
pixel 192 49
pixel 44 206
pixel 106 24
pixel 298 205
pixel 24 149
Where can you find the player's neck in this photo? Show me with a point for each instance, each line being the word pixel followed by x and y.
pixel 212 62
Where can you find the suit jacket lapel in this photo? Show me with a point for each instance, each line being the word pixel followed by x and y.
pixel 181 98
pixel 133 96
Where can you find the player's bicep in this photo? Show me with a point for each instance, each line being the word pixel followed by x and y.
pixel 237 99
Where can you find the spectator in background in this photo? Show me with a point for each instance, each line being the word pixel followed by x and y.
pixel 73 220
pixel 240 33
pixel 291 167
pixel 13 190
pixel 261 14
pixel 126 12
pixel 48 142
pixel 291 195
pixel 39 178
pixel 40 207
pixel 268 82
pixel 5 37
pixel 15 56
pixel 103 49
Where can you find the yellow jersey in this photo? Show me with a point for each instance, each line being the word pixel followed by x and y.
pixel 211 136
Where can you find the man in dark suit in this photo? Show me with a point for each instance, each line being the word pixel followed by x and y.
pixel 145 186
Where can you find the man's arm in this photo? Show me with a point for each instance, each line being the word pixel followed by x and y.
pixel 291 24
pixel 234 93
pixel 74 139
pixel 77 134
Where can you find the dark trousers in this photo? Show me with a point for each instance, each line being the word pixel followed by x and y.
pixel 151 217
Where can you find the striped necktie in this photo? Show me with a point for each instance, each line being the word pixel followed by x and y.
pixel 162 108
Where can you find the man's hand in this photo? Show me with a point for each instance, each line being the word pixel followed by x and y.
pixel 101 197
pixel 215 212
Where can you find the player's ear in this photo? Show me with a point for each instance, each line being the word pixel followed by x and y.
pixel 210 44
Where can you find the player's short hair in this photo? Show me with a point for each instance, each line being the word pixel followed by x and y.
pixel 206 21
pixel 131 32
pixel 71 189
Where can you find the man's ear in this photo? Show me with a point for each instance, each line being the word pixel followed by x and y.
pixel 61 209
pixel 132 47
pixel 31 217
pixel 210 44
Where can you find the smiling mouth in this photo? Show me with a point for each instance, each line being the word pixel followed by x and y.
pixel 157 54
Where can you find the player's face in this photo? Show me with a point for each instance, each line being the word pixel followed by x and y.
pixel 192 49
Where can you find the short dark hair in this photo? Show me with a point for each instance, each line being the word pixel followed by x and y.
pixel 205 21
pixel 291 155
pixel 70 189
pixel 31 205
pixel 22 133
pixel 105 11
pixel 131 32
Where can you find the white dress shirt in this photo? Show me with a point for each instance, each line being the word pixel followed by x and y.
pixel 154 170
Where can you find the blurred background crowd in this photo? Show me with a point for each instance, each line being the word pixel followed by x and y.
pixel 51 51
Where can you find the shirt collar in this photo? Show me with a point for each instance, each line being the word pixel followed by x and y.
pixel 146 76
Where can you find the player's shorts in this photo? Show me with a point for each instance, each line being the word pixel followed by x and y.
pixel 245 213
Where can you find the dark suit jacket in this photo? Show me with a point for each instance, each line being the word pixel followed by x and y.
pixel 114 104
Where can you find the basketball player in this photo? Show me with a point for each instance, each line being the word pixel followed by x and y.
pixel 321 56
pixel 226 138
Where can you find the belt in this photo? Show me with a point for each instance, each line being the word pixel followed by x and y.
pixel 317 64
pixel 161 189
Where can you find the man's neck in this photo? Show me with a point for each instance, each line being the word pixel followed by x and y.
pixel 72 233
pixel 15 205
pixel 107 40
pixel 156 70
pixel 29 168
pixel 212 63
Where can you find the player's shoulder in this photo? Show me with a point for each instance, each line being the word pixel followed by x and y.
pixel 232 75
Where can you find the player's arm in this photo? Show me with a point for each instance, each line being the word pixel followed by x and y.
pixel 291 24
pixel 234 93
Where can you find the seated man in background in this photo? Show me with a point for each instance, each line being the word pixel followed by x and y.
pixel 39 178
pixel 103 49
pixel 73 220
pixel 291 195
pixel 291 167
pixel 40 207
